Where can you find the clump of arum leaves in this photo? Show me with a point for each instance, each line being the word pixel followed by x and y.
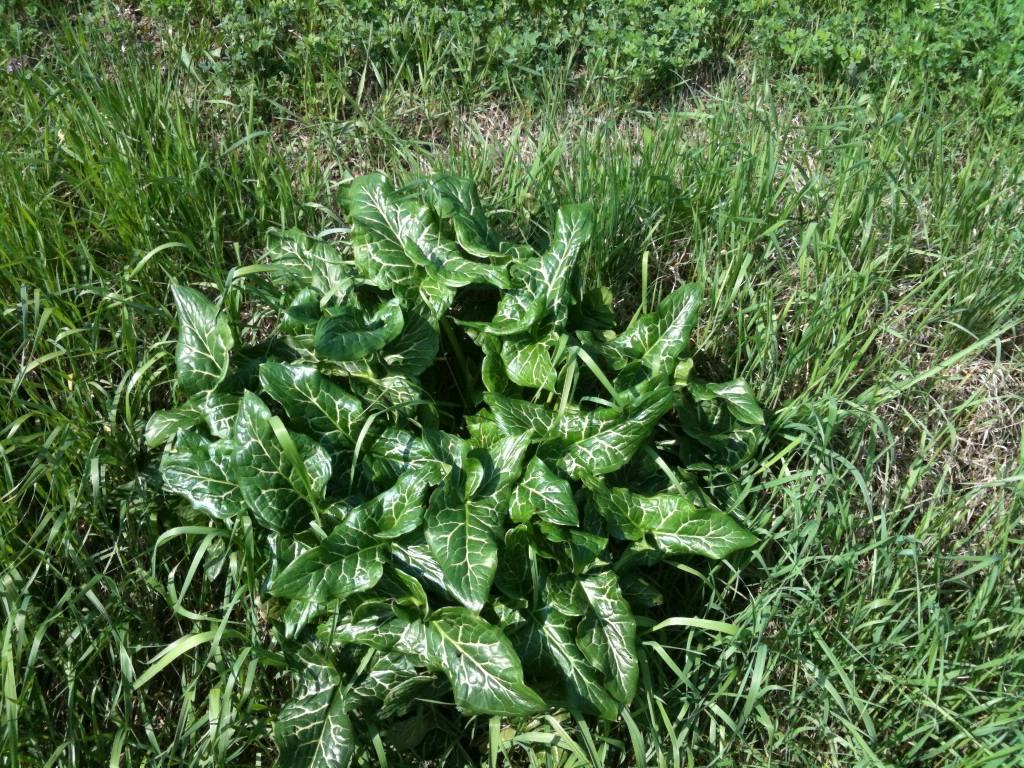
pixel 461 478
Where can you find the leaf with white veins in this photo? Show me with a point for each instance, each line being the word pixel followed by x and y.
pixel 460 536
pixel 314 729
pixel 278 492
pixel 204 341
pixel 614 619
pixel 674 522
pixel 314 403
pixel 481 664
pixel 543 493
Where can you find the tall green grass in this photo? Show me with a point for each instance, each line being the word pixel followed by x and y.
pixel 863 265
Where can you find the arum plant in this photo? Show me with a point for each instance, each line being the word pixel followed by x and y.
pixel 460 476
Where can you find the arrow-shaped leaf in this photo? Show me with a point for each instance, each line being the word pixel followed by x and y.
pixel 528 363
pixel 309 262
pixel 481 664
pixel 350 335
pixel 399 510
pixel 659 337
pixel 616 441
pixel 202 472
pixel 313 729
pixel 676 525
pixel 204 341
pixel 460 535
pixel 314 403
pixel 582 679
pixel 278 492
pixel 346 562
pixel 544 285
pixel 543 493
pixel 612 618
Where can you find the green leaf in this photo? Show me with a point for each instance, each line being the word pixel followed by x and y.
pixel 564 594
pixel 401 391
pixel 399 510
pixel 505 465
pixel 455 198
pixel 350 335
pixel 314 404
pixel 313 729
pixel 517 417
pixel 396 451
pixel 585 549
pixel 582 679
pixel 492 371
pixel 610 614
pixel 739 400
pixel 545 289
pixel 416 347
pixel 302 313
pixel 387 671
pixel 519 310
pixel 528 363
pixel 203 473
pixel 397 241
pixel 481 664
pixel 573 227
pixel 204 341
pixel 460 536
pixel 277 490
pixel 344 563
pixel 457 272
pixel 436 296
pixel 543 493
pixel 616 442
pixel 383 226
pixel 309 262
pixel 514 576
pixel 372 623
pixel 163 425
pixel 594 312
pixel 660 337
pixel 675 524
pixel 220 409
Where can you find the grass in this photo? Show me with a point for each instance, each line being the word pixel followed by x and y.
pixel 864 268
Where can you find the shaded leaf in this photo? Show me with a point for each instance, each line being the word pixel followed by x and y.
pixel 350 335
pixel 582 679
pixel 544 288
pixel 515 576
pixel 278 492
pixel 416 347
pixel 203 474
